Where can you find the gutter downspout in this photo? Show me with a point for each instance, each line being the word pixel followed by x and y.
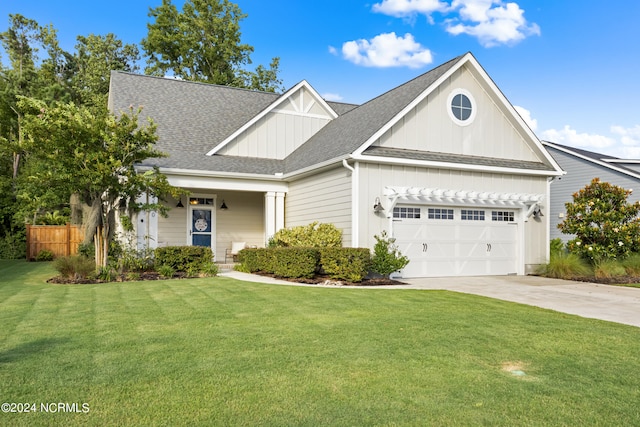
pixel 355 196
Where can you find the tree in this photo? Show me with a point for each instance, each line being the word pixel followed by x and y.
pixel 202 43
pixel 605 224
pixel 96 56
pixel 75 150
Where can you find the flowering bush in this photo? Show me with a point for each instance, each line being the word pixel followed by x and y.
pixel 605 224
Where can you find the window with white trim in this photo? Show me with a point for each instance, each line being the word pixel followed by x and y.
pixel 506 216
pixel 461 107
pixel 406 212
pixel 471 215
pixel 438 213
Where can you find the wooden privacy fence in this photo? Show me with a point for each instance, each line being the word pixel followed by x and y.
pixel 62 240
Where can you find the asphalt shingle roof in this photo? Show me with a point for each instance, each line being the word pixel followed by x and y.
pixel 193 118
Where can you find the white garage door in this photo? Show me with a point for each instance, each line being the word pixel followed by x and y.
pixel 456 241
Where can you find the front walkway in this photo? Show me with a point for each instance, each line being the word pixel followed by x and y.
pixel 605 302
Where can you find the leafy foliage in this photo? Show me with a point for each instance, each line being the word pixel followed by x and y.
pixel 606 225
pixel 314 235
pixel 203 43
pixel 387 258
pixel 74 267
pixel 76 150
pixel 351 264
pixel 184 258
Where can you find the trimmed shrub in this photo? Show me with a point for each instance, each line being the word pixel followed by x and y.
pixel 295 262
pixel 350 264
pixel 45 255
pixel 266 260
pixel 184 258
pixel 166 271
pixel 314 235
pixel 248 259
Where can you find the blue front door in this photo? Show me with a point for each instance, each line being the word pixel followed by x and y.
pixel 201 227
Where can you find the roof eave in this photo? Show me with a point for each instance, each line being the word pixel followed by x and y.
pixel 456 166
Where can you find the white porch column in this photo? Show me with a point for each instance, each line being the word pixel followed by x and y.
pixel 269 214
pixel 273 213
pixel 280 210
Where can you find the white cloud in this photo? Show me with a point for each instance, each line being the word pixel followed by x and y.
pixel 526 116
pixel 491 25
pixel 628 136
pixel 333 50
pixel 332 97
pixel 569 136
pixel 408 8
pixel 387 50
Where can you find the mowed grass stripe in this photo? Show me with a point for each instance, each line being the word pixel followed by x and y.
pixel 222 352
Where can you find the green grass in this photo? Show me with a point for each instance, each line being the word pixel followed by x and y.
pixel 217 351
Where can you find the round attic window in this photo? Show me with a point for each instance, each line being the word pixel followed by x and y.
pixel 461 107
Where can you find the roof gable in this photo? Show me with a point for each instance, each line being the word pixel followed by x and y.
pixel 353 133
pixel 597 159
pixel 301 101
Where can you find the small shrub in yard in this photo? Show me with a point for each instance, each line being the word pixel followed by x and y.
pixel 44 255
pixel 74 267
pixel 166 271
pixel 631 265
pixel 314 235
pixel 350 264
pixel 564 265
pixel 184 258
pixel 608 269
pixel 387 258
pixel 295 262
pixel 248 260
pixel 13 246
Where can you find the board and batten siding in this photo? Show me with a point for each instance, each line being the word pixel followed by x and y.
pixel 374 177
pixel 325 197
pixel 580 172
pixel 428 127
pixel 280 132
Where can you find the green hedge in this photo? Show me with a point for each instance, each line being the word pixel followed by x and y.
pixel 350 264
pixel 184 258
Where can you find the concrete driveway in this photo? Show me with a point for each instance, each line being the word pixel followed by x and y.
pixel 613 303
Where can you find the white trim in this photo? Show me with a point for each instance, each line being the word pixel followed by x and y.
pixel 421 195
pixel 355 198
pixel 601 162
pixel 285 97
pixel 456 166
pixel 472 100
pixel 466 59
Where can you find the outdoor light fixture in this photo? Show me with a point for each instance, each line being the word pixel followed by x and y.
pixel 377 206
pixel 180 205
pixel 537 212
pixel 223 206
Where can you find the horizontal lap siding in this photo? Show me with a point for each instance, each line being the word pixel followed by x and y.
pixel 325 198
pixel 580 172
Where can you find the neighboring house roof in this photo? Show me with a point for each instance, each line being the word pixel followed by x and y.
pixel 194 119
pixel 602 160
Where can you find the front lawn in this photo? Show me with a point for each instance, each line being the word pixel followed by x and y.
pixel 217 351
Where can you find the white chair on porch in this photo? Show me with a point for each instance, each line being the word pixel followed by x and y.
pixel 233 251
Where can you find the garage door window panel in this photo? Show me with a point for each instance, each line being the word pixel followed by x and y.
pixel 402 212
pixel 503 216
pixel 472 215
pixel 437 213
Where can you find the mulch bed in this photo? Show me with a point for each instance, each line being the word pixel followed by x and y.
pixel 318 280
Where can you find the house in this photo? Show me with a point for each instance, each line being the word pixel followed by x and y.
pixel 581 167
pixel 442 163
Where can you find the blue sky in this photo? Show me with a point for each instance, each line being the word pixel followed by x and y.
pixel 572 68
